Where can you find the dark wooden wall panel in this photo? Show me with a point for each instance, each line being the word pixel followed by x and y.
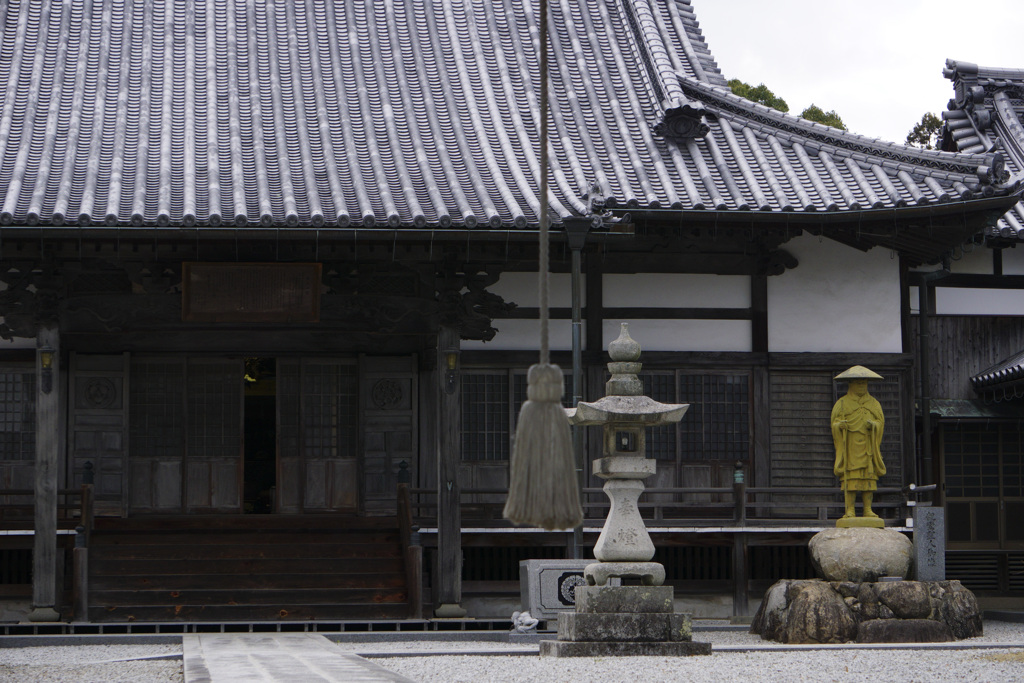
pixel 99 426
pixel 802 453
pixel 963 346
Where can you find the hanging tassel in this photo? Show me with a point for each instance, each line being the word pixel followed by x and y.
pixel 543 490
pixel 542 482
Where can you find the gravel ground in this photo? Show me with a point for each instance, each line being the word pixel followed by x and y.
pixel 91 664
pixel 110 663
pixel 877 666
pixel 784 667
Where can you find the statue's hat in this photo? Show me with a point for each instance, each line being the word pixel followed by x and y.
pixel 858 372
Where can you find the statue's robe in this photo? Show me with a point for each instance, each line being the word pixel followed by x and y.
pixel 858 449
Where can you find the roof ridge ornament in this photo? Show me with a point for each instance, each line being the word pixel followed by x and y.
pixel 682 121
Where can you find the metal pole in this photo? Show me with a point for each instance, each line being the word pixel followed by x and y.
pixel 577 390
pixel 923 290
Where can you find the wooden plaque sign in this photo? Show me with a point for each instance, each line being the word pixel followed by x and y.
pixel 250 292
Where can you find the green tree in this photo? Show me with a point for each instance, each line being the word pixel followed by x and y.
pixel 926 133
pixel 760 94
pixel 829 118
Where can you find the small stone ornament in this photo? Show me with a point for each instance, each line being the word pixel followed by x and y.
pixel 522 622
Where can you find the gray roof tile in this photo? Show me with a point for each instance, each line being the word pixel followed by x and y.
pixel 407 114
pixel 984 115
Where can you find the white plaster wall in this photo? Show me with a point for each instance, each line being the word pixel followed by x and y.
pixel 1013 261
pixel 524 335
pixel 683 335
pixel 664 290
pixel 962 301
pixel 837 299
pixel 965 301
pixel 17 343
pixel 522 289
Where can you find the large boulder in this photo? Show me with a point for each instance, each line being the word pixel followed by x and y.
pixel 906 599
pixel 860 554
pixel 958 608
pixel 817 611
pixel 770 620
pixel 804 612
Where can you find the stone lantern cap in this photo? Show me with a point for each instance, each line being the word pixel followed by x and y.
pixel 638 410
pixel 625 403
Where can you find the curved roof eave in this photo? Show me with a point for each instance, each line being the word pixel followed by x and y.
pixel 986 113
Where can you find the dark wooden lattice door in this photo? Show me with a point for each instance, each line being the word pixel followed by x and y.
pixel 318 437
pixel 157 445
pixel 17 431
pixel 388 386
pixel 98 425
pixel 186 435
pixel 213 459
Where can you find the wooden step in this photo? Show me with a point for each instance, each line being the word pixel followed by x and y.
pixel 100 539
pixel 353 612
pixel 232 596
pixel 255 581
pixel 297 550
pixel 247 568
pixel 105 565
pixel 203 523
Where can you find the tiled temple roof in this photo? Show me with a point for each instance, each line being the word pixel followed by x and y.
pixel 409 114
pixel 985 116
pixel 1004 380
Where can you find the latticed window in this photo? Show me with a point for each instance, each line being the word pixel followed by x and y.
pixel 156 408
pixel 213 392
pixel 486 416
pixel 717 424
pixel 491 400
pixel 17 415
pixel 330 410
pixel 984 475
pixel 661 441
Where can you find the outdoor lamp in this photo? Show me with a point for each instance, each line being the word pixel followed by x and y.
pixel 46 364
pixel 451 361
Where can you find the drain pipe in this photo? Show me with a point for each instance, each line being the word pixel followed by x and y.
pixel 925 286
pixel 576 230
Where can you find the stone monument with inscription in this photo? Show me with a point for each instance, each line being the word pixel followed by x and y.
pixel 637 619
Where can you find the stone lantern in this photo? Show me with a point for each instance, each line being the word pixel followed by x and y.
pixel 624 620
pixel 624 548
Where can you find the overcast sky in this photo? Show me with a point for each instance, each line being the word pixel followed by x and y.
pixel 878 63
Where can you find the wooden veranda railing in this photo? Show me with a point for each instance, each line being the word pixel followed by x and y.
pixel 688 506
pixel 74 515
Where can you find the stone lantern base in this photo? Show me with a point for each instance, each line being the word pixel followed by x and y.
pixel 623 621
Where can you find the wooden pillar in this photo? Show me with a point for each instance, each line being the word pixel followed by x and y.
pixel 759 312
pixel 448 586
pixel 48 434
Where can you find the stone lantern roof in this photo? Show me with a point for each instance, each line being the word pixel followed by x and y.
pixel 625 402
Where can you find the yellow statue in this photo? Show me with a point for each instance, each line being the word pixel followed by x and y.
pixel 857 425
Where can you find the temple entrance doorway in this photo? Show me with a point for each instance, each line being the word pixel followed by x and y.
pixel 259 478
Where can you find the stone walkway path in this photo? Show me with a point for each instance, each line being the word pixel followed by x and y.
pixel 272 657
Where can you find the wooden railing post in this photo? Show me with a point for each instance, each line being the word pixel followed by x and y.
pixel 80 580
pixel 740 605
pixel 447 589
pixel 739 492
pixel 413 552
pixel 87 501
pixel 48 447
